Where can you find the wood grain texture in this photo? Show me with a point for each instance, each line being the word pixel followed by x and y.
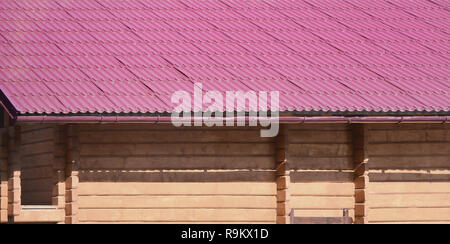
pixel 37 155
pixel 150 174
pixel 409 175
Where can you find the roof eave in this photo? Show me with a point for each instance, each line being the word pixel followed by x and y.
pixel 282 119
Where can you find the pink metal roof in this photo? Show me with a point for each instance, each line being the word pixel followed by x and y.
pixel 115 56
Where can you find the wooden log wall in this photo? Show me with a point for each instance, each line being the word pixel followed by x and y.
pixel 72 180
pixel 283 176
pixel 37 164
pixel 162 174
pixel 321 165
pixel 4 175
pixel 14 172
pixel 409 173
pixel 361 171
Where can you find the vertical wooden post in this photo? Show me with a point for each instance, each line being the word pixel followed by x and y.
pixel 14 167
pixel 72 161
pixel 4 175
pixel 283 177
pixel 59 165
pixel 361 162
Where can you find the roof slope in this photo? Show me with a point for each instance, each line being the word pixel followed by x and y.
pixel 94 56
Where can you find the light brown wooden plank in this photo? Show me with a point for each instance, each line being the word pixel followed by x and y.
pixel 409 214
pixel 321 176
pixel 322 189
pixel 121 202
pixel 411 222
pixel 136 188
pixel 201 215
pixel 322 213
pixel 409 187
pixel 410 200
pixel 40 216
pixel 177 222
pixel 320 202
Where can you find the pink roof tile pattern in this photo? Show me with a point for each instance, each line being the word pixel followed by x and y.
pixel 115 56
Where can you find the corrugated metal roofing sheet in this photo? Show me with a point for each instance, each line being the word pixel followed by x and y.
pixel 93 56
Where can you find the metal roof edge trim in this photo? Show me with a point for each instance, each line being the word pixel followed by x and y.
pixel 282 119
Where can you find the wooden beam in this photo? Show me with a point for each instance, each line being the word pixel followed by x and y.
pixel 71 181
pixel 3 175
pixel 360 134
pixel 40 214
pixel 14 172
pixel 283 176
pixel 59 165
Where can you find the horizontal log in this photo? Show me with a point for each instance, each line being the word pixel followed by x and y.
pixel 409 200
pixel 176 222
pixel 410 149
pixel 37 160
pixel 409 176
pixel 37 172
pixel 38 148
pixel 397 127
pixel 325 176
pixel 322 189
pixel 322 212
pixel 171 136
pixel 320 150
pixel 187 176
pixel 215 149
pixel 185 188
pixel 40 198
pixel 37 185
pixel 153 127
pixel 40 216
pixel 409 214
pixel 410 162
pixel 409 187
pixel 319 127
pixel 429 222
pixel 319 137
pixel 179 215
pixel 321 163
pixel 35 136
pixel 178 162
pixel 32 127
pixel 164 202
pixel 321 202
pixel 409 136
